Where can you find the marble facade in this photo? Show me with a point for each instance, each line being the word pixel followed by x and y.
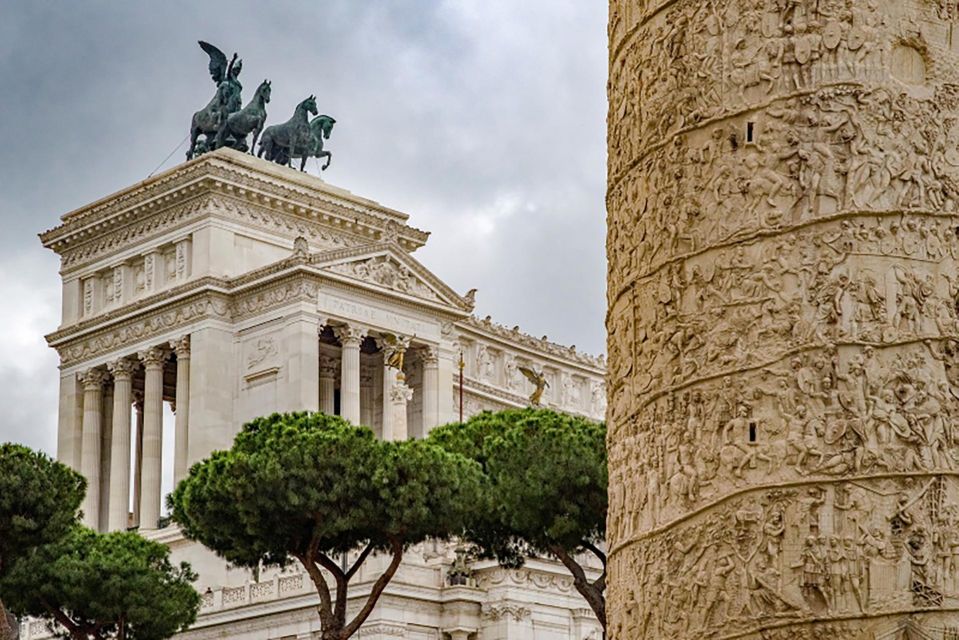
pixel 783 220
pixel 228 288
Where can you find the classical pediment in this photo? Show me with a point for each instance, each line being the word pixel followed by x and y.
pixel 386 266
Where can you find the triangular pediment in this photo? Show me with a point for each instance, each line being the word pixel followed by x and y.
pixel 387 266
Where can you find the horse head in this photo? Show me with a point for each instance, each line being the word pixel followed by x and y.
pixel 310 105
pixel 263 91
pixel 323 125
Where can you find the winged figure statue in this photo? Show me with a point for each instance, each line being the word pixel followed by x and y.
pixel 396 349
pixel 227 99
pixel 538 378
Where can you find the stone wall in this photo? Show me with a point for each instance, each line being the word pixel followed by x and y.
pixel 784 338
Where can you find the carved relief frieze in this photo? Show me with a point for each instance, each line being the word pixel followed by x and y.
pixel 131 332
pixel 387 272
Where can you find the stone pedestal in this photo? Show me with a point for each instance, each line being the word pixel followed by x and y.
pixel 782 319
pixel 399 395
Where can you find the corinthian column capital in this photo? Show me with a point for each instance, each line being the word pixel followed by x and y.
pixel 181 347
pixel 349 335
pixel 93 379
pixel 123 368
pixel 152 357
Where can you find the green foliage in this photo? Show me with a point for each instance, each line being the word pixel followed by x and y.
pixel 545 483
pixel 303 481
pixel 39 498
pixel 103 585
pixel 544 488
pixel 311 486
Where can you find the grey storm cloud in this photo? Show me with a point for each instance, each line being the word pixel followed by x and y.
pixel 483 119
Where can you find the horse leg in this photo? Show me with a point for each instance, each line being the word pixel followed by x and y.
pixel 256 134
pixel 220 136
pixel 194 134
pixel 329 159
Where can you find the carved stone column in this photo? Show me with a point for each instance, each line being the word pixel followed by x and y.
pixel 394 425
pixel 327 385
pixel 181 450
pixel 119 513
pixel 431 389
pixel 399 396
pixel 350 338
pixel 782 287
pixel 92 381
pixel 153 360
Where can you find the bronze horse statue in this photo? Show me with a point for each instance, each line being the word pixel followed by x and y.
pixel 321 127
pixel 249 119
pixel 280 141
pixel 208 120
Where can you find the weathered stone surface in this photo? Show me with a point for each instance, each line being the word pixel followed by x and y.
pixel 784 338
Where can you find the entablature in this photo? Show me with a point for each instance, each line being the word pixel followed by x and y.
pixel 132 215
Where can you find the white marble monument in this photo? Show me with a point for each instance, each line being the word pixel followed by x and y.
pixel 231 288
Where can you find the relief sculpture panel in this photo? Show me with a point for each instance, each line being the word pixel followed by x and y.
pixel 783 392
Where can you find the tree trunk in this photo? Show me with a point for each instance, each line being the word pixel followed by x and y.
pixel 8 629
pixel 593 593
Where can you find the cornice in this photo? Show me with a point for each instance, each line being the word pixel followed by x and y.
pixel 246 179
pixel 232 300
pixel 541 348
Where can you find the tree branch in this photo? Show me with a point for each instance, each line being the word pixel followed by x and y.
pixel 339 607
pixel 359 561
pixel 596 551
pixel 7 632
pixel 397 548
pixel 323 589
pixel 593 595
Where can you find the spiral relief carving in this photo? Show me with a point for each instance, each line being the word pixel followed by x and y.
pixel 783 242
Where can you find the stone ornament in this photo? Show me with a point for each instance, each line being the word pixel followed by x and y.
pixel 783 243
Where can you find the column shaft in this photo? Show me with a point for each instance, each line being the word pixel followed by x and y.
pixel 366 397
pixel 350 338
pixel 152 438
pixel 182 428
pixel 90 447
pixel 119 491
pixel 431 390
pixel 138 457
pixel 327 386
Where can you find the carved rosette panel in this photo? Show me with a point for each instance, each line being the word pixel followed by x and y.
pixel 783 215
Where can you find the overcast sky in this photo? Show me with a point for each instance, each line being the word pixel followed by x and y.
pixel 483 119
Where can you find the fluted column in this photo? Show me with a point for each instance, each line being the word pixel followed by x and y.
pixel 366 396
pixel 92 381
pixel 327 385
pixel 182 428
pixel 152 467
pixel 350 338
pixel 138 456
pixel 119 491
pixel 431 389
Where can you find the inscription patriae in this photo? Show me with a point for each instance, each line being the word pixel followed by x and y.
pixel 783 238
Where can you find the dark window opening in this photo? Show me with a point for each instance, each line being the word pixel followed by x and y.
pixel 750 131
pixel 752 432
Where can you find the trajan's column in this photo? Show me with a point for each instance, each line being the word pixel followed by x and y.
pixel 784 340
